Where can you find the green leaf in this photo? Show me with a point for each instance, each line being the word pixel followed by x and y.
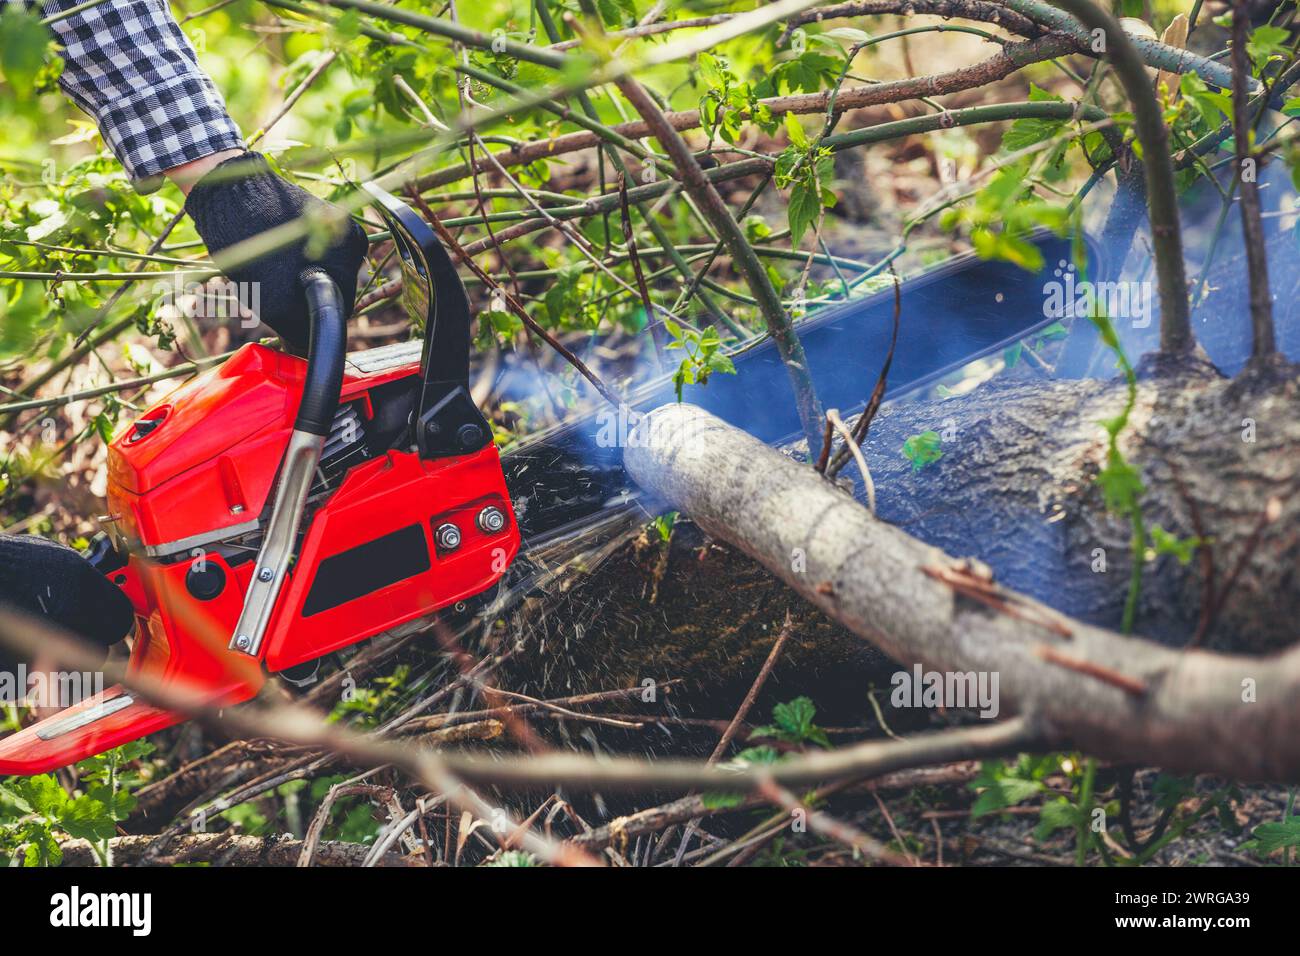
pixel 43 794
pixel 1121 485
pixel 1003 793
pixel 1170 791
pixel 805 205
pixel 1267 41
pixel 664 525
pixel 616 13
pixel 796 131
pixel 923 449
pixel 721 362
pixel 1039 95
pixel 8 796
pixel 87 819
pixel 1058 814
pixel 1271 837
pixel 1163 542
pixel 756 228
pixel 713 70
pixel 23 41
pixel 758 755
pixel 795 717
pixel 1030 131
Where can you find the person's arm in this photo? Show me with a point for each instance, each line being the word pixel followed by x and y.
pixel 128 64
pixel 131 67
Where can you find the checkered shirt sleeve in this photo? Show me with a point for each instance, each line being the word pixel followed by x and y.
pixel 128 64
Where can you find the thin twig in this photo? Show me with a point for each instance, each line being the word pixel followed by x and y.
pixel 629 238
pixel 862 426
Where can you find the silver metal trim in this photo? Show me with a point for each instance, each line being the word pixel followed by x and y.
pixel 66 725
pixel 386 357
pixel 168 548
pixel 296 473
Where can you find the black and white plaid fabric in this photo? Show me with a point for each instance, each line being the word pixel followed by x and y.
pixel 130 66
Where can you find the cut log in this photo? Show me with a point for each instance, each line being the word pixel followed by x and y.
pixel 1115 697
pixel 1016 488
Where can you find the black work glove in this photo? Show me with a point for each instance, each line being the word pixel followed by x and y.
pixel 46 579
pixel 241 198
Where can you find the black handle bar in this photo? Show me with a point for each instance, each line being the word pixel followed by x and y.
pixel 326 352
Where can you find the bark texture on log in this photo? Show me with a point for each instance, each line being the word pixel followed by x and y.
pixel 1016 489
pixel 1116 697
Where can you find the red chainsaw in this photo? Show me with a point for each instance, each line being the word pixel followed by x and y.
pixel 273 510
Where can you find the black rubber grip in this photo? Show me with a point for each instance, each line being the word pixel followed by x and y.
pixel 325 354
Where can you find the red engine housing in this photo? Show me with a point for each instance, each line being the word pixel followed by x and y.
pixel 368 560
pixel 199 467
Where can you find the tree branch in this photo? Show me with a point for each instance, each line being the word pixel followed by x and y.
pixel 1162 200
pixel 699 188
pixel 1263 343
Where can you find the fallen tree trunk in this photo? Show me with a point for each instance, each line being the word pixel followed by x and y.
pixel 1016 488
pixel 1115 697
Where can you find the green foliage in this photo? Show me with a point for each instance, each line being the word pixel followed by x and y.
pixel 1005 210
pixel 1012 353
pixel 1031 130
pixel 663 525
pixel 807 170
pixel 1003 213
pixel 728 104
pixel 1266 44
pixel 365 706
pixel 24 41
pixel 1001 785
pixel 923 449
pixel 792 723
pixel 1182 549
pixel 36 811
pixel 1270 838
pixel 703 357
pixel 805 73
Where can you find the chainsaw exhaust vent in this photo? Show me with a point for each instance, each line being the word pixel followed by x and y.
pixel 346 446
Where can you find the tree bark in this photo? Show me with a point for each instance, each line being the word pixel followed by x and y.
pixel 1016 489
pixel 1115 697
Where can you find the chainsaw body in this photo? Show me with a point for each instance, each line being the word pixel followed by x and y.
pixel 274 510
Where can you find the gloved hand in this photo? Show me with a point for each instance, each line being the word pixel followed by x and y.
pixel 241 198
pixel 46 579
